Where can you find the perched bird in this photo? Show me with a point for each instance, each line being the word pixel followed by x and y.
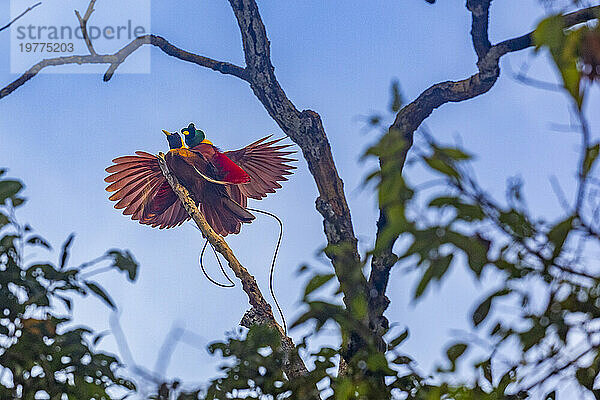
pixel 219 182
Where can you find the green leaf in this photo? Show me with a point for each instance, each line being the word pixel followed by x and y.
pixel 3 220
pixel 486 368
pixel 316 282
pixel 8 189
pixel 39 241
pixel 591 154
pixel 586 376
pixel 397 100
pixel 563 47
pixel 550 32
pixel 551 395
pixel 101 293
pixel 517 222
pixel 17 201
pixel 455 351
pixel 124 261
pixel 482 311
pixel 440 265
pixel 437 268
pixel 464 211
pixel 443 167
pixel 475 248
pixel 402 360
pixel 532 336
pixel 567 64
pixel 344 389
pixel 399 339
pixel 376 362
pixel 444 201
pixel 558 235
pixel 425 279
pixel 454 153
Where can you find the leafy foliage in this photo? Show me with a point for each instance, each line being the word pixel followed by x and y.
pixel 576 52
pixel 41 353
pixel 547 281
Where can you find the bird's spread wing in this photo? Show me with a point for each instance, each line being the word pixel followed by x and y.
pixel 143 192
pixel 266 163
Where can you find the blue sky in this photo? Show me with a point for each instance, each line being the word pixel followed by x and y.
pixel 60 131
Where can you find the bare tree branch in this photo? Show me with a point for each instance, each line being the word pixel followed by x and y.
pixel 83 24
pixel 19 16
pixel 119 57
pixel 410 117
pixel 158 41
pixel 294 367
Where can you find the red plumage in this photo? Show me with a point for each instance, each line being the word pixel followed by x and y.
pixel 220 183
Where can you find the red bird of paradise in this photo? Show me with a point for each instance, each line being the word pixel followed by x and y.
pixel 220 183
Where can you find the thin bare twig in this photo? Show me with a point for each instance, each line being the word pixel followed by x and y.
pixel 19 16
pixel 120 56
pixel 83 24
pixel 559 368
pixel 582 174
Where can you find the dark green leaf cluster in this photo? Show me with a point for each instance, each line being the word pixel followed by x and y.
pixel 41 353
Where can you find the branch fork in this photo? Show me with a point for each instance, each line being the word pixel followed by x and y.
pixel 83 24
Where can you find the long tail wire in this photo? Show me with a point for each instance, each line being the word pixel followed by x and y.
pixel 271 270
pixel 200 260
